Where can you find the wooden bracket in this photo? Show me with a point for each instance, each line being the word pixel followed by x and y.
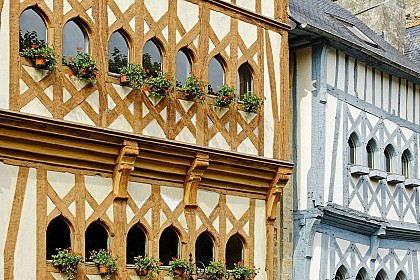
pixel 193 178
pixel 124 164
pixel 275 191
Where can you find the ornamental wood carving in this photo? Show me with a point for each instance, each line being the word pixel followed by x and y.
pixel 123 167
pixel 193 178
pixel 275 191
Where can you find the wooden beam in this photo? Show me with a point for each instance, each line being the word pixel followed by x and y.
pixel 123 167
pixel 193 178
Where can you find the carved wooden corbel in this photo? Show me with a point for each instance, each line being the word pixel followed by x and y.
pixel 123 167
pixel 193 178
pixel 275 191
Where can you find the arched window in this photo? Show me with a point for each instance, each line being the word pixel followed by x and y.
pixel 168 246
pixel 136 243
pixel 117 52
pixel 362 275
pixel 204 249
pixel 341 273
pixel 74 38
pixel 400 276
pixel 216 73
pixel 58 236
pixel 96 238
pixel 406 163
pixel 32 29
pixel 244 80
pixel 353 142
pixel 371 150
pixel 152 58
pixel 381 275
pixel 389 153
pixel 234 251
pixel 183 66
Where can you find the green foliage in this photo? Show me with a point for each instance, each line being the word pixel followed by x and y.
pixel 83 66
pixel 184 265
pixel 118 61
pixel 194 87
pixel 216 270
pixel 42 50
pixel 152 68
pixel 135 75
pixel 104 258
pixel 241 271
pixel 28 39
pixel 225 96
pixel 160 86
pixel 67 260
pixel 152 265
pixel 251 102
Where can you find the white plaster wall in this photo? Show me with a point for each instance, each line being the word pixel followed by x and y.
pixel 4 56
pixel 268 8
pixel 403 100
pixel 316 257
pixel 361 77
pixel 304 107
pixel 156 8
pixel 394 95
pixel 369 88
pixel 25 252
pixel 410 102
pixel 331 66
pixel 351 88
pixel 378 88
pixel 247 4
pixel 341 73
pixel 385 93
pixel 260 239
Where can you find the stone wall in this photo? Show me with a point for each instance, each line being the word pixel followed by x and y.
pixel 412 8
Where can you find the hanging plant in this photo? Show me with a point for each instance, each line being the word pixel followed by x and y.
pixel 42 55
pixel 83 66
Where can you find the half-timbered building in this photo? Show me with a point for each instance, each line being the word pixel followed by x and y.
pixel 105 166
pixel 356 134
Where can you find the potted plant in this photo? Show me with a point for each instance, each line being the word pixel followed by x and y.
pixel 105 262
pixel 83 66
pixel 216 270
pixel 66 261
pixel 244 273
pixel 194 87
pixel 251 102
pixel 132 75
pixel 147 266
pixel 179 266
pixel 42 55
pixel 160 86
pixel 224 97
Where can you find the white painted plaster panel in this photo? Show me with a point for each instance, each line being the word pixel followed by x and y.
pixel 190 18
pixel 385 93
pixel 207 201
pixel 172 196
pixel 220 24
pixel 238 205
pixel 25 251
pixel 268 114
pixel 329 139
pixel 8 175
pixel 123 5
pixel 93 101
pixel 247 4
pixel 218 141
pixel 185 135
pixel 268 8
pixel 36 73
pixel 338 181
pixel 342 244
pixel 331 64
pixel 61 182
pixel 275 39
pixel 373 121
pixel 66 7
pixel 378 88
pixel 98 187
pixel 341 79
pixel 410 102
pixel 361 77
pixel 394 95
pixel 37 108
pixel 156 8
pixel 139 192
pixel 260 239
pixel 248 33
pixel 304 105
pixel 121 123
pixel 351 76
pixel 79 116
pixel 369 88
pixel 403 100
pixel 316 257
pixel 390 126
pixel 154 129
pixel 247 147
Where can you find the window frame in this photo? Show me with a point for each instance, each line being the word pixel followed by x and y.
pixel 222 64
pixel 84 31
pixel 127 42
pixel 238 81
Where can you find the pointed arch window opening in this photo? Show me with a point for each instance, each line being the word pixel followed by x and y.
pixel 183 66
pixel 169 246
pixel 152 58
pixel 136 243
pixel 96 238
pixel 340 274
pixel 216 74
pixel 244 80
pixel 74 38
pixel 352 144
pixel 32 29
pixel 204 248
pixel 58 236
pixel 118 52
pixel 362 275
pixel 371 151
pixel 234 251
pixel 406 164
pixel 389 155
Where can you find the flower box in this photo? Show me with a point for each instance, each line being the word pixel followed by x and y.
pixel 123 80
pixel 40 62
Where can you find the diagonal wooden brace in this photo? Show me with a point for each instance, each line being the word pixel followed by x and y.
pixel 124 164
pixel 275 191
pixel 193 178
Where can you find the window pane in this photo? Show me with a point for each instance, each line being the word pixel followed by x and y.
pixel 136 243
pixel 216 74
pixel 96 238
pixel 168 246
pixel 32 29
pixel 370 155
pixel 152 58
pixel 204 249
pixel 245 80
pixel 352 151
pixel 58 236
pixel 234 251
pixel 117 52
pixel 183 67
pixel 388 158
pixel 74 37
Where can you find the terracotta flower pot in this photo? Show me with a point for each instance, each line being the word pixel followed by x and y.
pixel 142 272
pixel 40 62
pixel 103 269
pixel 123 79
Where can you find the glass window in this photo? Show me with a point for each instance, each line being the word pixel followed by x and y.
pixel 168 246
pixel 381 276
pixel 216 74
pixel 152 58
pixel 74 38
pixel 183 66
pixel 244 80
pixel 405 163
pixel 371 150
pixel 234 251
pixel 58 236
pixel 32 29
pixel 117 52
pixel 96 238
pixel 340 274
pixel 204 249
pixel 389 153
pixel 400 276
pixel 362 275
pixel 352 143
pixel 136 243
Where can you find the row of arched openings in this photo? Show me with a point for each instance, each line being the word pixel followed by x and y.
pixel 96 238
pixel 362 274
pixel 33 30
pixel 372 156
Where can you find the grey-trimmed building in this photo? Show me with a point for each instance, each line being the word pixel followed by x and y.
pixel 356 136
